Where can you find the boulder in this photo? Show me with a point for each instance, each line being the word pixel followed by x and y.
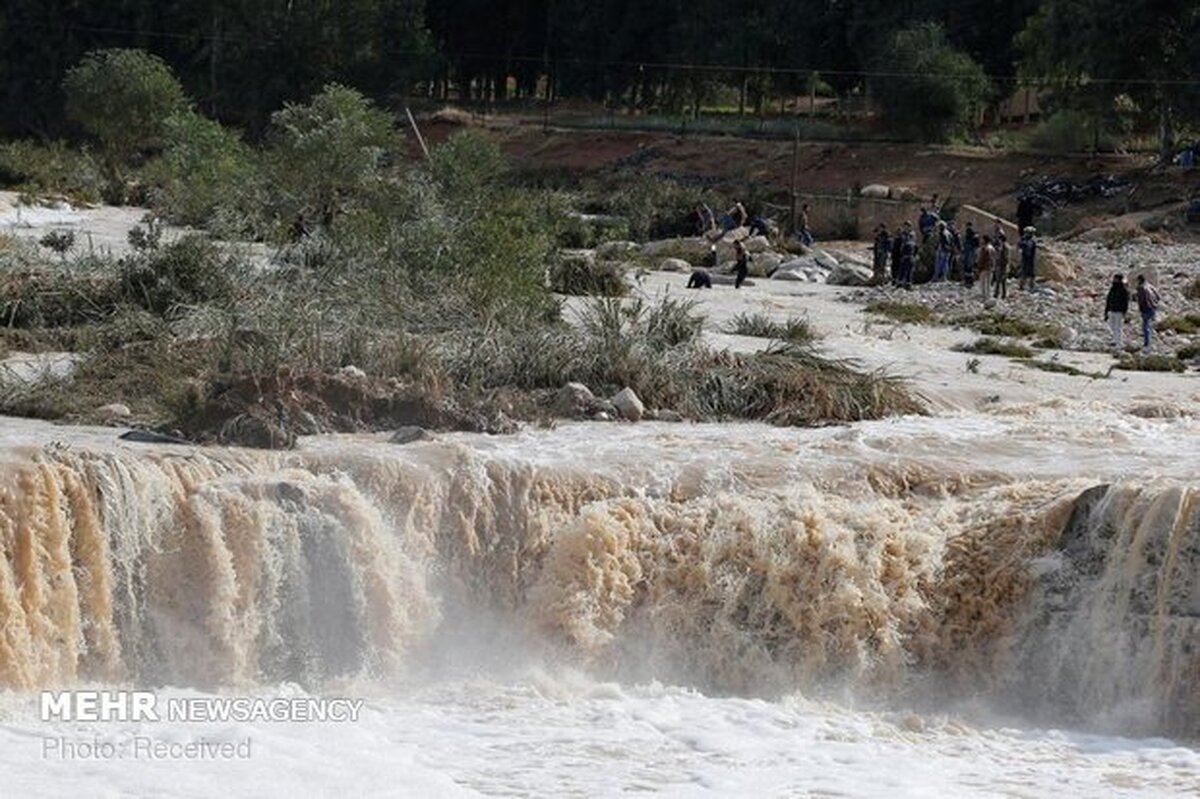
pixel 765 264
pixel 674 265
pixel 876 191
pixel 668 416
pixel 114 412
pixel 756 244
pixel 902 193
pixel 574 400
pixel 151 437
pixel 850 274
pixel 694 250
pixel 796 275
pixel 736 234
pixel 1056 267
pixel 352 373
pixel 825 259
pixel 410 434
pixel 616 250
pixel 628 405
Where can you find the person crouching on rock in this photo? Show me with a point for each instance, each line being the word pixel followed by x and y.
pixel 1116 308
pixel 699 279
pixel 741 264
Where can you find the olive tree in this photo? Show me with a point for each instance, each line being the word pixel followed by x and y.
pixel 122 98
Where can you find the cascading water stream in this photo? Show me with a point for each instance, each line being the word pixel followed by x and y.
pixel 755 569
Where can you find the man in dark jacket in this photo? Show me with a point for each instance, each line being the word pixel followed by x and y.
pixel 883 245
pixel 970 252
pixel 1116 308
pixel 1029 247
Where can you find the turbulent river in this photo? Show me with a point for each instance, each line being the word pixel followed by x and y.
pixel 973 605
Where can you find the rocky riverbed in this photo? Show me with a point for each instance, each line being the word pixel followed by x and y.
pixel 1076 308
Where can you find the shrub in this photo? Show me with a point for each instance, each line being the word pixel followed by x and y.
pixel 1192 290
pixel 325 156
pixel 996 324
pixel 1186 324
pixel 909 312
pixel 122 97
pixel 189 271
pixel 1188 353
pixel 991 346
pixel 54 168
pixel 1133 362
pixel 759 325
pixel 204 166
pixel 585 277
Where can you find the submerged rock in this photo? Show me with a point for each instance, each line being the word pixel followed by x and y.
pixel 410 434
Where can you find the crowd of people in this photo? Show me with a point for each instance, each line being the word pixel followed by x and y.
pixel 974 258
pixel 985 260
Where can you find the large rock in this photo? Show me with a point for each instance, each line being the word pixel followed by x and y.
pixel 756 244
pixel 114 412
pixel 616 250
pixel 825 259
pixel 629 405
pixel 736 234
pixel 410 434
pixel 674 265
pixel 765 264
pixel 876 191
pixel 694 250
pixel 1056 267
pixel 574 400
pixel 794 275
pixel 850 274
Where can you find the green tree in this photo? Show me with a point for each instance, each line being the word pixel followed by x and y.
pixel 325 155
pixel 122 98
pixel 929 89
pixel 1096 52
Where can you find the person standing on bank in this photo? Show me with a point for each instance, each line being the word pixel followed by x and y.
pixel 1116 308
pixel 1147 300
pixel 1029 248
pixel 987 258
pixel 741 265
pixel 970 254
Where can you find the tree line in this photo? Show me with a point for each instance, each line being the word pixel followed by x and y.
pixel 1128 63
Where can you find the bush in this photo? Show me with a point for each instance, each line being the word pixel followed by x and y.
pixel 122 97
pixel 934 89
pixel 759 325
pixel 1132 362
pixel 204 167
pixel 1192 290
pixel 908 312
pixel 991 346
pixel 326 157
pixel 48 169
pixel 190 271
pixel 1186 324
pixel 1001 325
pixel 581 277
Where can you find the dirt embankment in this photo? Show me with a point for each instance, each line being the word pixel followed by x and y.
pixel 750 167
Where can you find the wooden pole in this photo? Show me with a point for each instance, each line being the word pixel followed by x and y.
pixel 795 177
pixel 420 139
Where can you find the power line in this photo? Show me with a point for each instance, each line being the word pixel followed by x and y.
pixel 1027 80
